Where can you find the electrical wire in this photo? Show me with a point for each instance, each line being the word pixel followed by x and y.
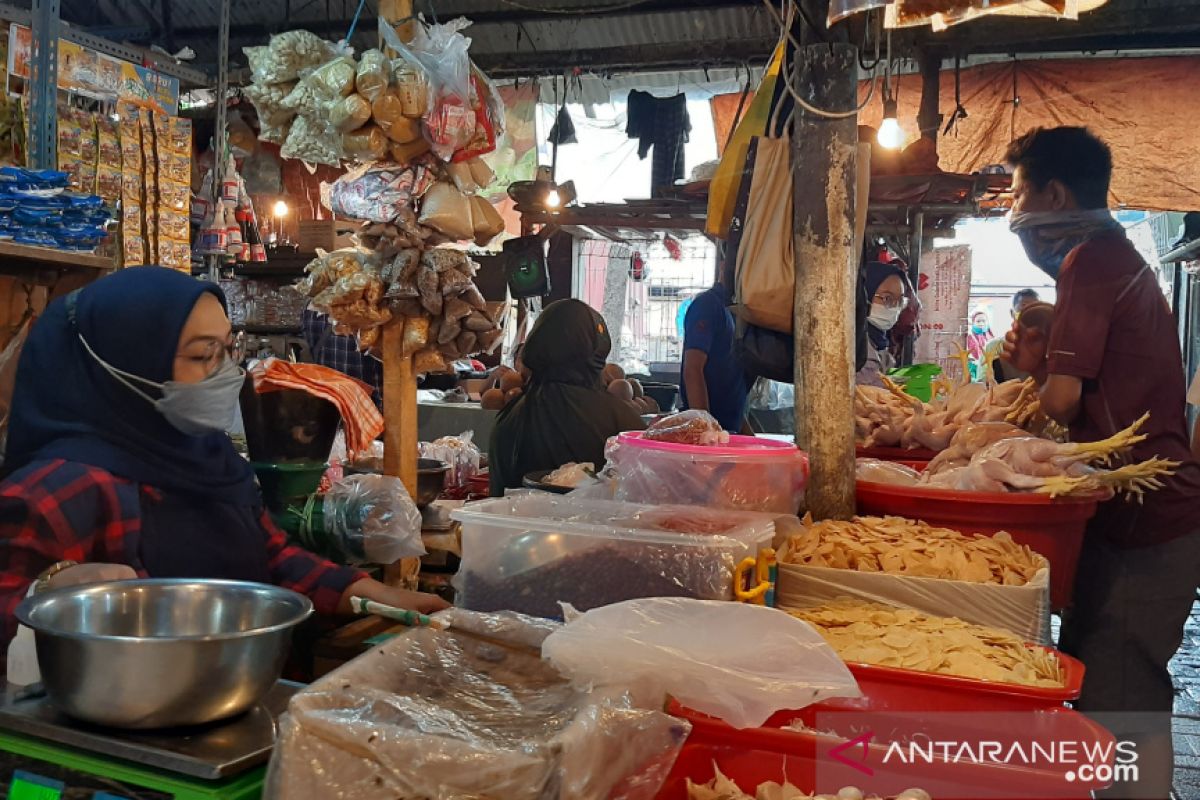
pixel 785 73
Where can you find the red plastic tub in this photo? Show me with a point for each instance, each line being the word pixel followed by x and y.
pixel 1052 527
pixel 772 753
pixel 896 689
pixel 896 453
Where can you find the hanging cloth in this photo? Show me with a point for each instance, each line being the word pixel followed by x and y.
pixel 662 123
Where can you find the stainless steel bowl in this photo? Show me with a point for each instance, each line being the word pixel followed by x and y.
pixel 161 653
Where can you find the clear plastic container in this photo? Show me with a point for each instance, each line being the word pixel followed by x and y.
pixel 528 553
pixel 748 473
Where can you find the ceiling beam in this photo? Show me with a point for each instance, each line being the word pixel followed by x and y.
pixel 325 26
pixel 689 55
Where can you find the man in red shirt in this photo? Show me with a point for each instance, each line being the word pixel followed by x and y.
pixel 1113 354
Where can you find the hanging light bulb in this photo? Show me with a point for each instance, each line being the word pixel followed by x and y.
pixel 890 135
pixel 281 208
pixel 553 200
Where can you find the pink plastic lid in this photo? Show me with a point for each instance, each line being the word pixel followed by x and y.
pixel 739 446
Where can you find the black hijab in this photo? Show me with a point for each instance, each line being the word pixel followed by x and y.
pixel 67 406
pixel 876 273
pixel 565 414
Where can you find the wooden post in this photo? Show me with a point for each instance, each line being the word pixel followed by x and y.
pixel 399 382
pixel 824 153
pixel 929 117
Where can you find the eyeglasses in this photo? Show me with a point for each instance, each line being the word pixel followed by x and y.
pixel 215 353
pixel 890 300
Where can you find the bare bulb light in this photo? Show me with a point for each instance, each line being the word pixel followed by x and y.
pixel 281 208
pixel 552 199
pixel 891 135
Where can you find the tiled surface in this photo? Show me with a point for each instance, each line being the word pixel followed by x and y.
pixel 1186 671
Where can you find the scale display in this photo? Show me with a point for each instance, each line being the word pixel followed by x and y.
pixel 30 779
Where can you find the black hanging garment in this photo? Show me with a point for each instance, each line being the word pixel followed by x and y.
pixel 662 123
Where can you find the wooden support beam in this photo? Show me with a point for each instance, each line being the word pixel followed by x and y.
pixel 399 383
pixel 824 160
pixel 929 117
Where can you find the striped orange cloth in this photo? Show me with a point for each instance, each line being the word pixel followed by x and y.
pixel 360 417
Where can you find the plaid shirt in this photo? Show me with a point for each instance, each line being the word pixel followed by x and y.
pixel 53 511
pixel 341 353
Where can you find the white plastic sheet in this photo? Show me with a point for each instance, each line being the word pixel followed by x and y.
pixel 738 662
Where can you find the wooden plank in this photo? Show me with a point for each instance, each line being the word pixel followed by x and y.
pixel 49 257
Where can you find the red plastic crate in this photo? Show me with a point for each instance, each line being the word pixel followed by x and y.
pixel 1053 527
pixel 770 753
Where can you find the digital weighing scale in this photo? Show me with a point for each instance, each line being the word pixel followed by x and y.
pixel 45 755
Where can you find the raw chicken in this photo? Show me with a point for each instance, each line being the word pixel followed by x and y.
pixel 872 470
pixel 690 427
pixel 1025 463
pixel 970 439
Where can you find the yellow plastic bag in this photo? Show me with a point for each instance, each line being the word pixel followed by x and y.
pixel 723 192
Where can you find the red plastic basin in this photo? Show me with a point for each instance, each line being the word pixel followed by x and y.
pixel 771 753
pixel 1051 527
pixel 896 453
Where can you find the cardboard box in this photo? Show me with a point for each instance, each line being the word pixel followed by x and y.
pixel 324 234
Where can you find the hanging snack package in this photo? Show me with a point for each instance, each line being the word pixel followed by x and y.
pixel 349 113
pixel 374 75
pixel 404 131
pixel 368 143
pixel 486 219
pixel 407 153
pixel 448 211
pixel 442 52
pixel 69 134
pixel 481 173
pixel 335 79
pixel 312 142
pixel 412 87
pixel 460 173
pixel 483 136
pixel 287 56
pixel 268 100
pixel 375 194
pixel 387 109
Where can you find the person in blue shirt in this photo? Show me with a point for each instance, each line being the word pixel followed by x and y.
pixel 713 377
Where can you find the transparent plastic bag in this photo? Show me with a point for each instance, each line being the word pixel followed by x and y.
pixel 371 519
pixel 377 193
pixel 764 661
pixel 399 723
pixel 460 453
pixel 687 427
pixel 349 113
pixel 374 75
pixel 442 52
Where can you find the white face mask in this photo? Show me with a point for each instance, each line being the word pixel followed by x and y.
pixel 884 318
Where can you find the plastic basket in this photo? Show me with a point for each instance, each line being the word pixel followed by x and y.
pixel 1052 527
pixel 774 753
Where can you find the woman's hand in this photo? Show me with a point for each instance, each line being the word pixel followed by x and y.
pixel 91 573
pixel 391 596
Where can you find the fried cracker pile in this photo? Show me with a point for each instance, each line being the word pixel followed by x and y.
pixel 870 633
pixel 903 547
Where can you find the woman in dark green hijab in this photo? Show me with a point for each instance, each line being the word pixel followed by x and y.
pixel 565 414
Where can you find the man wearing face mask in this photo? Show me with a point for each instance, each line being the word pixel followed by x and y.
pixel 886 288
pixel 1113 355
pixel 117 459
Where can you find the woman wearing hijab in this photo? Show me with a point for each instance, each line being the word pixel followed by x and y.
pixel 980 335
pixel 887 288
pixel 565 414
pixel 117 459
